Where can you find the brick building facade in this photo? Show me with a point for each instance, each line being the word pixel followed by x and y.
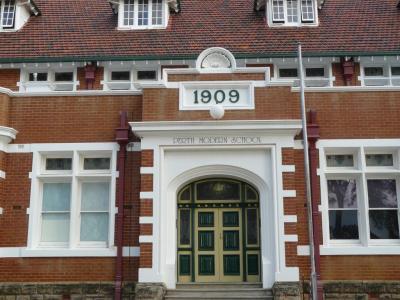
pixel 148 146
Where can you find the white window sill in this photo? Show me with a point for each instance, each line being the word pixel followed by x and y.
pixel 51 252
pixel 360 250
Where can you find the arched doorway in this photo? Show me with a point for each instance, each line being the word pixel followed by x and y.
pixel 218 232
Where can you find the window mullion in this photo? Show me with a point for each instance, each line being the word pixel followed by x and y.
pixel 364 207
pixel 75 205
pixel 136 13
pixel 2 2
pixel 150 13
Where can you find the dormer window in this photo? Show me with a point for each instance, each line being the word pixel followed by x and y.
pixel 292 12
pixel 142 14
pixel 7 17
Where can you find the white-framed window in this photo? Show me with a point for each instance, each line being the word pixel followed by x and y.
pixel 7 14
pixel 124 77
pixel 380 73
pixel 45 80
pixel 143 14
pixel 360 186
pixel 316 75
pixel 292 12
pixel 73 198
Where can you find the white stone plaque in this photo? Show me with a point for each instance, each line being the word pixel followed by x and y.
pixel 204 95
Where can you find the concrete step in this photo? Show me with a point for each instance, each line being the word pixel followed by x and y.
pixel 215 291
pixel 227 297
pixel 220 293
pixel 219 285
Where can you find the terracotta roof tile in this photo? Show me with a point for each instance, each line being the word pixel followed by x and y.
pixel 82 29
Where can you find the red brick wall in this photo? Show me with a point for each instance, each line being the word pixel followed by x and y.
pixel 70 119
pixel 15 200
pixel 4 109
pixel 9 79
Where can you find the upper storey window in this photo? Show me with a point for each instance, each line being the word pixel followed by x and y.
pixel 143 14
pixel 292 12
pixel 7 17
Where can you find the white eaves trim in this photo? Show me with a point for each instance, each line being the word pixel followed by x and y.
pixel 86 93
pixel 16 252
pixel 271 126
pixel 360 250
pixel 348 89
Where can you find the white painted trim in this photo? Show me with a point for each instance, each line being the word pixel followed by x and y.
pixel 288 168
pixel 146 170
pixel 291 238
pixel 298 145
pixel 347 89
pixel 131 251
pixel 145 239
pixel 1 210
pixel 290 219
pixel 2 174
pixel 355 143
pixel 146 195
pixel 146 220
pixel 82 93
pixel 289 193
pixel 133 147
pixel 360 250
pixel 16 252
pixel 303 250
pixel 268 126
pixel 47 147
pixel 7 134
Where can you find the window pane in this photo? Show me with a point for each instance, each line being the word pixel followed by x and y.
pixel 218 190
pixel 252 226
pixel 123 76
pixel 95 196
pixel 278 13
pixel 251 194
pixel 373 71
pixel 384 224
pixel 342 193
pixel 58 164
pixel 382 193
pixel 56 197
pixel 147 75
pixel 185 195
pixel 379 160
pixel 292 11
pixel 37 76
pixel 143 12
pixel 157 8
pixel 307 10
pixel 94 227
pixel 339 161
pixel 8 14
pixel 128 12
pixel 396 71
pixel 55 227
pixel 289 73
pixel 185 227
pixel 64 76
pixel 98 163
pixel 315 72
pixel 343 225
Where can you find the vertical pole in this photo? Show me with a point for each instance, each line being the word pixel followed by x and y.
pixel 307 176
pixel 122 137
